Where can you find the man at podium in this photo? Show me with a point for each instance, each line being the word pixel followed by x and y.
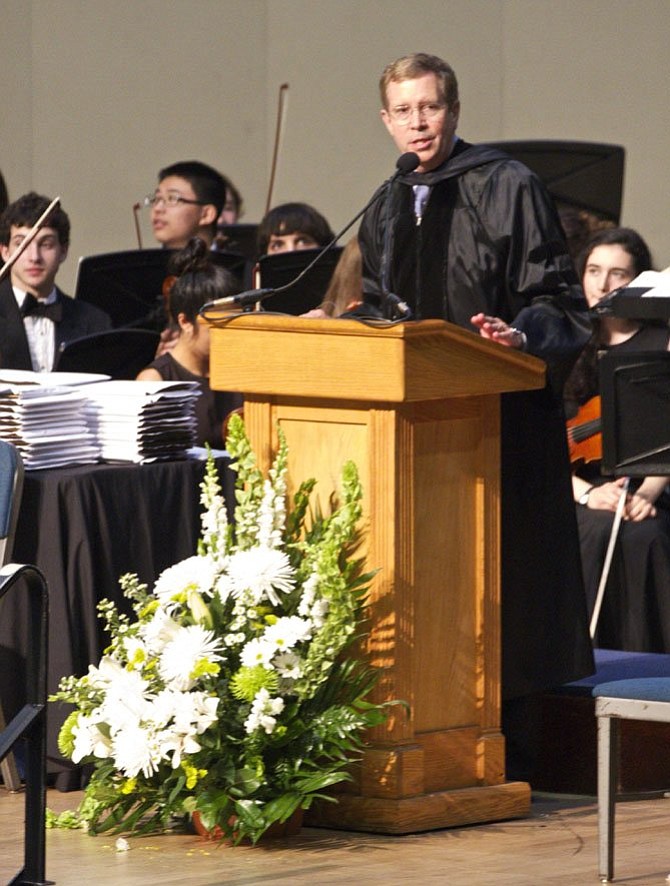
pixel 473 238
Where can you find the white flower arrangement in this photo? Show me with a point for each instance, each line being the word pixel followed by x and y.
pixel 229 694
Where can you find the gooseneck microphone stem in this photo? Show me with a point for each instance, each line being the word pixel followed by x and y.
pixel 405 164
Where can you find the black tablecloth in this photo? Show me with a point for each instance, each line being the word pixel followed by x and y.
pixel 84 527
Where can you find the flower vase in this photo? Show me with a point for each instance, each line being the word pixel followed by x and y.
pixel 277 829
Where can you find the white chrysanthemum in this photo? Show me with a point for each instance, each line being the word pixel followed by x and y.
pixel 288 631
pixel 158 631
pixel 288 665
pixel 183 652
pixel 261 571
pixel 89 740
pixel 264 712
pixel 136 750
pixel 195 573
pixel 257 652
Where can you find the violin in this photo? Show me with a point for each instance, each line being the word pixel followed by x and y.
pixel 585 439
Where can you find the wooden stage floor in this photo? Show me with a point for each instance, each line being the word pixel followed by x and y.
pixel 555 845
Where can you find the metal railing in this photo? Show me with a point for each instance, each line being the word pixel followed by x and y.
pixel 29 723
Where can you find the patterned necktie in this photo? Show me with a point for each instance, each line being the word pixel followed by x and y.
pixel 34 307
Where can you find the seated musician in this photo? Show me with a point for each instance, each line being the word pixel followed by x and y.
pixel 635 612
pixel 345 289
pixel 198 282
pixel 36 317
pixel 188 200
pixel 290 227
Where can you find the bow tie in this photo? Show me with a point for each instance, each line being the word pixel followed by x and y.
pixel 34 307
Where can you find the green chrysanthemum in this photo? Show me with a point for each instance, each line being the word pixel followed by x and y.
pixel 247 681
pixel 66 736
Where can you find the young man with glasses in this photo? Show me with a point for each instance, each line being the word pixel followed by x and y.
pixel 187 203
pixel 476 241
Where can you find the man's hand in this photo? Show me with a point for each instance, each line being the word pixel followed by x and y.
pixel 497 330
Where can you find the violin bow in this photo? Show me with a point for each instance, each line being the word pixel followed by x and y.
pixel 136 210
pixel 618 516
pixel 30 236
pixel 281 107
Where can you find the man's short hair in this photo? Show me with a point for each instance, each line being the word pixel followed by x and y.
pixel 209 186
pixel 409 67
pixel 24 212
pixel 293 218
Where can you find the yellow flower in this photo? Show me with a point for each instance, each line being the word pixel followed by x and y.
pixel 129 785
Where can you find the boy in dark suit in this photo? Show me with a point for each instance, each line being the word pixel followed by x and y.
pixel 36 318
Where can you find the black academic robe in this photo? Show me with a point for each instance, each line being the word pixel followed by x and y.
pixel 490 241
pixel 79 319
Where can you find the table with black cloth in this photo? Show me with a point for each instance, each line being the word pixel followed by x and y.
pixel 84 527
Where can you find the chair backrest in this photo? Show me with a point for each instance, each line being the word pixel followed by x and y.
pixel 11 486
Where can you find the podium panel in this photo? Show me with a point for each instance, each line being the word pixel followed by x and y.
pixel 430 470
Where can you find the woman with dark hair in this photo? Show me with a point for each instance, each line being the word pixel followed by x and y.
pixel 198 281
pixel 635 612
pixel 290 227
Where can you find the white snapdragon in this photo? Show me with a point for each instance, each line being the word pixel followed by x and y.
pixel 308 594
pixel 312 606
pixel 271 516
pixel 319 611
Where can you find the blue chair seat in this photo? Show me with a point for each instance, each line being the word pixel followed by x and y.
pixel 642 689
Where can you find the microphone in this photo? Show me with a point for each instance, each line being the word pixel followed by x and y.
pixel 405 164
pixel 392 303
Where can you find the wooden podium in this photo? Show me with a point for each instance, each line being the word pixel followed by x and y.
pixel 416 407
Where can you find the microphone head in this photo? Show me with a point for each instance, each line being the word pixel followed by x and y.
pixel 407 163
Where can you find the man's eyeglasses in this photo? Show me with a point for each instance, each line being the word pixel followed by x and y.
pixel 403 113
pixel 170 200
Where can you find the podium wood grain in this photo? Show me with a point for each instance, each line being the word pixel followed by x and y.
pixel 416 407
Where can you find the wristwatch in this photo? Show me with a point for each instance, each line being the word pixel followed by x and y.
pixel 584 497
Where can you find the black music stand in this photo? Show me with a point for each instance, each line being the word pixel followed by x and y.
pixel 635 409
pixel 119 353
pixel 586 175
pixel 128 286
pixel 305 294
pixel 240 238
pixel 639 301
